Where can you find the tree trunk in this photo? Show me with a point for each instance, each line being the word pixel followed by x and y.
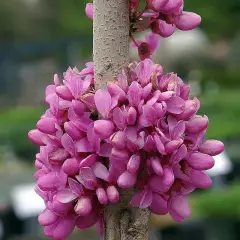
pixel 110 39
pixel 110 54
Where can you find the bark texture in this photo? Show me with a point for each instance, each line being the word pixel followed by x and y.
pixel 122 222
pixel 110 54
pixel 110 39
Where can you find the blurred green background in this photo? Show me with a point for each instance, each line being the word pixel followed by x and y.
pixel 41 37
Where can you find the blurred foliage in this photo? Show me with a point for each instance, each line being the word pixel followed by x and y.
pixel 15 124
pixel 218 17
pixel 223 111
pixel 225 77
pixel 42 19
pixel 71 17
pixel 217 203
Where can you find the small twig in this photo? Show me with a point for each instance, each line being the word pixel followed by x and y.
pixel 134 41
pixel 141 13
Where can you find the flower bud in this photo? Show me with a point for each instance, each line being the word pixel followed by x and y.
pixel 118 140
pixel 200 161
pixel 36 137
pixel 131 116
pixel 113 194
pixel 156 166
pixel 73 131
pixel 83 206
pixel 47 217
pixel 103 128
pixel 127 180
pixel 133 163
pixel 162 28
pixel 187 21
pixel 64 93
pixel 212 147
pixel 89 10
pixel 178 208
pixel 102 196
pixel 71 167
pixel 48 182
pixel 156 5
pixel 196 124
pixel 47 125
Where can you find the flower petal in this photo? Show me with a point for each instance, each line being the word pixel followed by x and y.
pixel 133 163
pixel 146 198
pixel 159 205
pixel 66 196
pixel 75 186
pixel 134 94
pixel 113 194
pixel 103 102
pixel 64 228
pixel 83 145
pixel 119 118
pixel 89 10
pixel 212 147
pixel 187 21
pixel 100 171
pixel 103 128
pixel 88 161
pixel 175 105
pixel 178 207
pixel 47 218
pixel 68 144
pixel 88 178
pixel 83 206
pixel 102 196
pixel 200 161
pixel 127 180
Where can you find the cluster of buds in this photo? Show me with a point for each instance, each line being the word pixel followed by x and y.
pixel 141 132
pixel 162 17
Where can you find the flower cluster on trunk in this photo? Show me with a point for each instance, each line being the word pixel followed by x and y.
pixel 141 132
pixel 162 17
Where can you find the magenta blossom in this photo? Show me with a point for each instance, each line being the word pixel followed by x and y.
pixel 148 47
pixel 89 10
pixel 142 132
pixel 168 15
pixel 162 17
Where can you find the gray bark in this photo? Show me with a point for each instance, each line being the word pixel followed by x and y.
pixel 110 39
pixel 110 54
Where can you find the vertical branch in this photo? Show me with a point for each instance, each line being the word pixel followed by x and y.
pixel 110 39
pixel 110 54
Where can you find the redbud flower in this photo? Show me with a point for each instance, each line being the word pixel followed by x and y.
pixel 148 47
pixel 168 15
pixel 89 10
pixel 141 132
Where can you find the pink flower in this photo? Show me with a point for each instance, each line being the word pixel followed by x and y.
pixel 179 208
pixel 141 132
pixel 89 10
pixel 167 15
pixel 148 47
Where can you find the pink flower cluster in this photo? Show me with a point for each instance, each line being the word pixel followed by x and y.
pixel 162 17
pixel 142 131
